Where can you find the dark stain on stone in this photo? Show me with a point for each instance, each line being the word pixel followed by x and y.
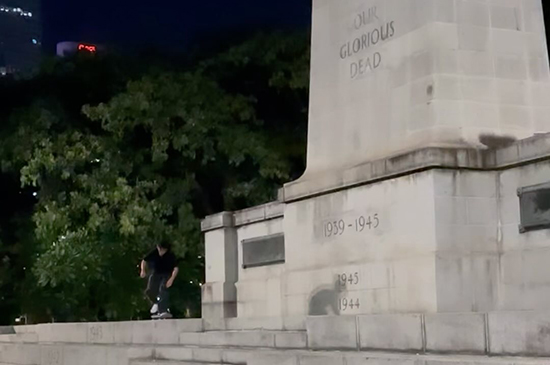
pixel 493 141
pixel 430 90
pixel 542 200
pixel 324 301
pixel 535 342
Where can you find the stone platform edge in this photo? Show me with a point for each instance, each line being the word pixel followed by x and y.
pixel 530 150
pixel 243 217
pixel 519 333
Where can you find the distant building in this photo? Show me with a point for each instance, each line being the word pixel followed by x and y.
pixel 69 48
pixel 20 35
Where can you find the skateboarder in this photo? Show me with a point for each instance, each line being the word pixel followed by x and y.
pixel 163 263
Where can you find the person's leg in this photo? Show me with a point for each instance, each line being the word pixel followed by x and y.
pixel 164 296
pixel 152 291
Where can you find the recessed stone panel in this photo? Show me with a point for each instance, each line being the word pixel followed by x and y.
pixel 264 251
pixel 534 204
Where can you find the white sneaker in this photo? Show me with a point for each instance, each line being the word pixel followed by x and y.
pixel 165 315
pixel 154 308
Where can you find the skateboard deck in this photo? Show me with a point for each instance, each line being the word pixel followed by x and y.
pixel 163 316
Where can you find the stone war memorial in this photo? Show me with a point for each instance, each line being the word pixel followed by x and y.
pixel 419 233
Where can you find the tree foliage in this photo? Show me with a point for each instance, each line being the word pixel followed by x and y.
pixel 116 169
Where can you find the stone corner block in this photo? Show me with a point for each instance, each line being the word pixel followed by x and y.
pixel 7 330
pixel 101 333
pixel 456 332
pixel 63 332
pixel 396 332
pixel 259 213
pixel 217 221
pixel 334 332
pixel 519 333
pixel 168 332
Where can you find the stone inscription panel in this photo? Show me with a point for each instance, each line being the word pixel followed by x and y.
pixel 534 207
pixel 389 76
pixel 263 251
pixel 51 355
pixel 360 50
pixel 362 250
pixel 359 55
pixel 95 333
pixel 351 224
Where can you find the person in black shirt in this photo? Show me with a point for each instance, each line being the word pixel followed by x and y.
pixel 163 263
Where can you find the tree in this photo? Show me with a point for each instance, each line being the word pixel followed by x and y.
pixel 151 162
pixel 28 109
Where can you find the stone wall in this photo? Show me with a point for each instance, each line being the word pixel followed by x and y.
pixel 392 76
pixel 232 289
pixel 433 239
pixel 400 339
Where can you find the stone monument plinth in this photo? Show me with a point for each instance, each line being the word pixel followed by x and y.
pixel 393 76
pixel 427 187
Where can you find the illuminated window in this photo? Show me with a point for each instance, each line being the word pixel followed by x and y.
pixel 15 11
pixel 87 47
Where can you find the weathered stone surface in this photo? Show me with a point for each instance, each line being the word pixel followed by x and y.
pixel 219 297
pixel 332 332
pixel 230 338
pixel 391 332
pixel 377 48
pixel 369 237
pixel 237 347
pixel 20 354
pixel 335 359
pixel 63 332
pixel 167 332
pixel 53 355
pixel 274 359
pixel 7 330
pixel 291 340
pixel 456 333
pixel 453 245
pixel 19 338
pixel 217 221
pixel 505 155
pixel 519 333
pixel 174 353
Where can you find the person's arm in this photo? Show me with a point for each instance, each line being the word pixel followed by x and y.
pixel 170 281
pixel 144 263
pixel 143 269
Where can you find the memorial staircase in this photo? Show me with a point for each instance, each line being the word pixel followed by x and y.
pixel 508 338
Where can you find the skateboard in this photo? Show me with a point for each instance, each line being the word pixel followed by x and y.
pixel 162 316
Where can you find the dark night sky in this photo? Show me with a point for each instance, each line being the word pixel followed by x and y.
pixel 170 24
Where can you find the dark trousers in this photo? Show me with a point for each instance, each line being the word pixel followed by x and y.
pixel 157 292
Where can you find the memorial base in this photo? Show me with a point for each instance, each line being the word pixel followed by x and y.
pixel 411 339
pixel 431 231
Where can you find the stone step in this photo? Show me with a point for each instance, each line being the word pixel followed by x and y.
pixel 19 338
pixel 139 332
pixel 6 330
pixel 217 355
pixel 69 354
pixel 267 339
pixel 165 332
pixel 296 323
pixel 170 362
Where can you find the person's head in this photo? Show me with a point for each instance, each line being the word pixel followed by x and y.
pixel 163 247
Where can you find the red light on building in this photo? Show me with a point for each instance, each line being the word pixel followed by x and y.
pixel 87 47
